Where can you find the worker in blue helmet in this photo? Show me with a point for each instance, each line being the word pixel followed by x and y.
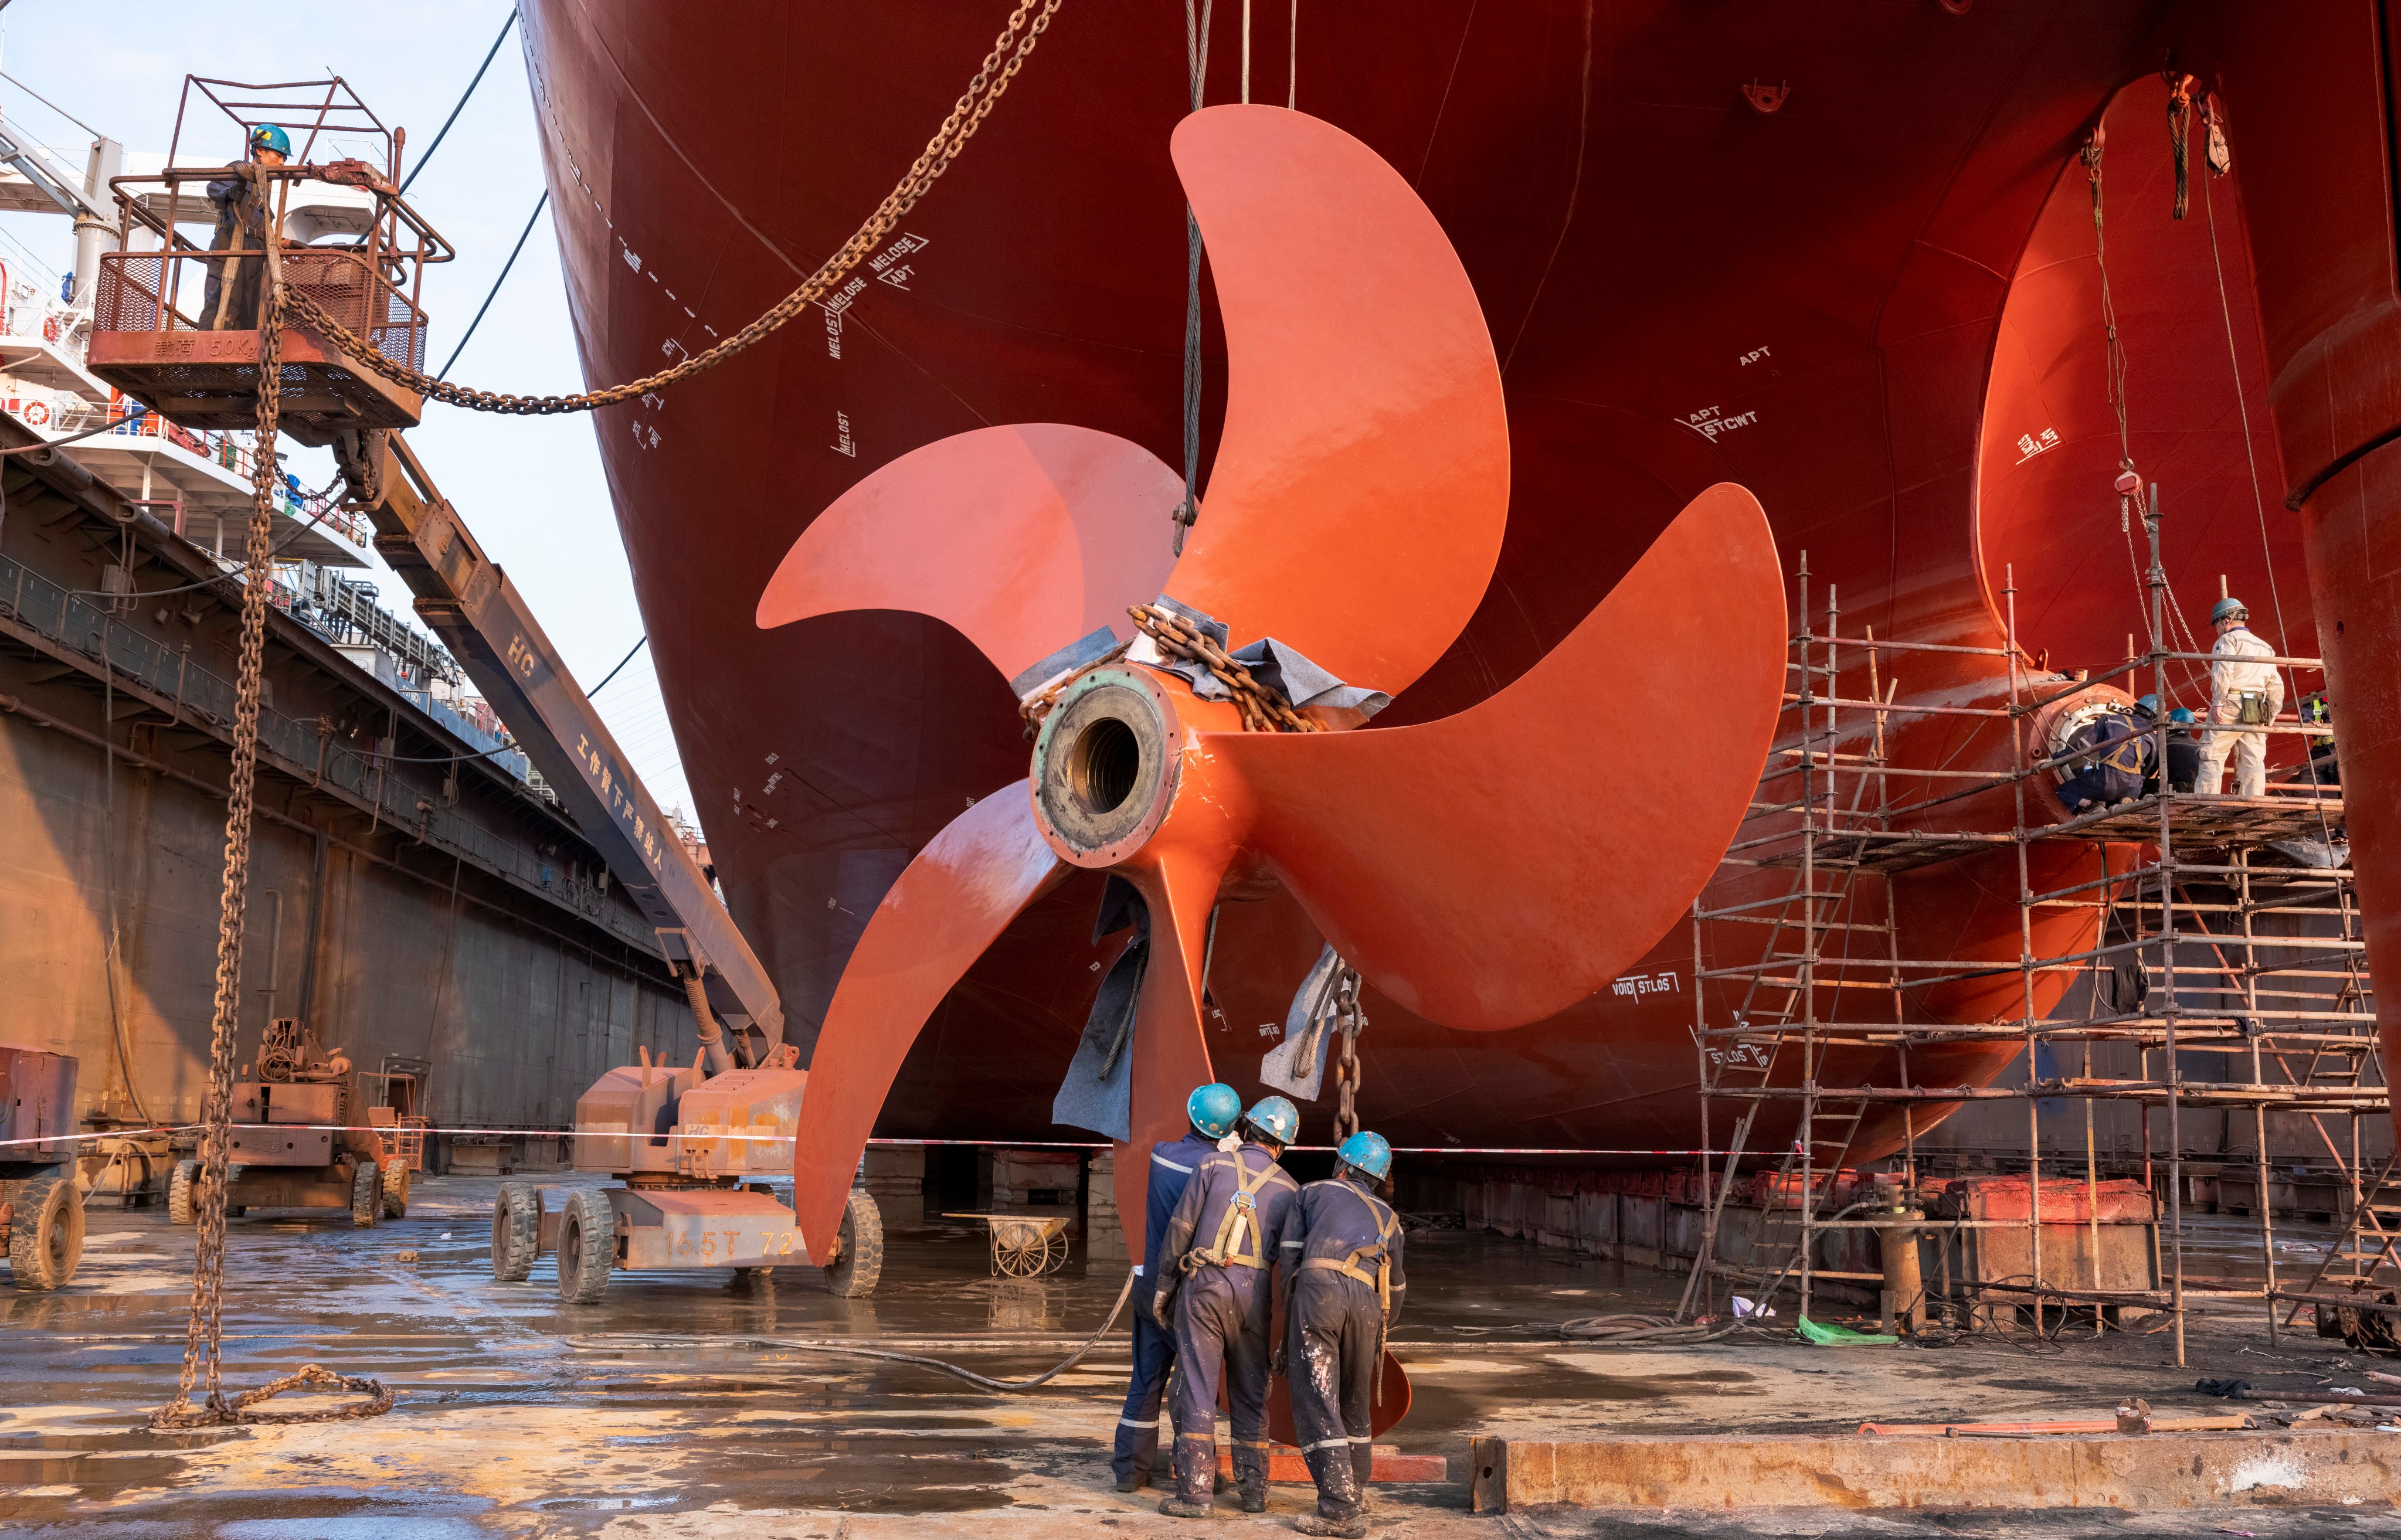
pixel 2245 696
pixel 1212 1111
pixel 1339 1304
pixel 230 301
pixel 1217 1294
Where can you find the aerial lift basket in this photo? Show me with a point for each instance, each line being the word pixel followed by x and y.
pixel 175 323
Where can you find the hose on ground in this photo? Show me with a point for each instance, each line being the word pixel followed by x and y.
pixel 956 1372
pixel 1636 1329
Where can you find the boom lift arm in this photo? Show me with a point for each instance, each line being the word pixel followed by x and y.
pixel 469 603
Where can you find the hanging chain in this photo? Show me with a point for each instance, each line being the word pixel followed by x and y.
pixel 1264 710
pixel 1009 55
pixel 1349 1021
pixel 204 1350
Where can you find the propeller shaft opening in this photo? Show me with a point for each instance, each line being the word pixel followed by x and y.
pixel 1105 764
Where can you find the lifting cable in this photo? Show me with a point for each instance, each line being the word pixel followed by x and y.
pixel 281 306
pixel 1009 55
pixel 2220 162
pixel 1196 64
pixel 2129 481
pixel 491 53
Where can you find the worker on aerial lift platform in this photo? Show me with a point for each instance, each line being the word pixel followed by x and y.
pixel 230 302
pixel 2244 692
pixel 1339 1302
pixel 1217 1301
pixel 1212 1111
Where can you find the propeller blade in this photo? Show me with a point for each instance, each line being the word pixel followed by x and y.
pixel 1494 868
pixel 1170 1055
pixel 1023 538
pixel 1356 504
pixel 951 903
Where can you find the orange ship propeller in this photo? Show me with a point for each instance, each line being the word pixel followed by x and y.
pixel 1484 871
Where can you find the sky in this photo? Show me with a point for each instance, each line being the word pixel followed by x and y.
pixel 529 488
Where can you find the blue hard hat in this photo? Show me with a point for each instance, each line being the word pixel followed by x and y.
pixel 2147 704
pixel 1368 1152
pixel 267 136
pixel 1275 1117
pixel 2179 715
pixel 1213 1110
pixel 2224 608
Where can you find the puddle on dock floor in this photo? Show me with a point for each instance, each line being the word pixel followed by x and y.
pixel 667 1409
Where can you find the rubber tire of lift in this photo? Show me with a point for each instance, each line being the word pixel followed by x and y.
pixel 45 1242
pixel 367 1195
pixel 395 1188
pixel 516 1231
pixel 857 1266
pixel 587 1245
pixel 184 1193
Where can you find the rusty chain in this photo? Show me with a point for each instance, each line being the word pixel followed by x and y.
pixel 1263 709
pixel 203 1348
pixel 1349 1021
pixel 1009 55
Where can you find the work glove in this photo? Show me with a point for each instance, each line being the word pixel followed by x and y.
pixel 1276 1363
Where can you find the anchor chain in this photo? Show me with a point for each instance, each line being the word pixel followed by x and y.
pixel 203 1330
pixel 1349 1021
pixel 1263 709
pixel 1009 55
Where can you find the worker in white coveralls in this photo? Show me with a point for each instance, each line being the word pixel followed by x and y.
pixel 2245 692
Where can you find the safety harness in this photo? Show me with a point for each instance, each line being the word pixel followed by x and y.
pixel 1241 1214
pixel 1388 1224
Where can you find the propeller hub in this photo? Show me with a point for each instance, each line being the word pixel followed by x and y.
pixel 1105 765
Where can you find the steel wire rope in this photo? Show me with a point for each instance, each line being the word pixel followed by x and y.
pixel 443 132
pixel 924 1361
pixel 629 658
pixel 72 118
pixel 2115 372
pixel 468 335
pixel 1196 63
pixel 1009 51
pixel 2259 503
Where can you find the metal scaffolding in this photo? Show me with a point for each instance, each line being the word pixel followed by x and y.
pixel 2223 926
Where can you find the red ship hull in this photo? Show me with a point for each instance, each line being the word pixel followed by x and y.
pixel 1858 305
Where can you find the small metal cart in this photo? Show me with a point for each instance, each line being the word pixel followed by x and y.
pixel 1025 1245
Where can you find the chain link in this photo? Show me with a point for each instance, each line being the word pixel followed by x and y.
pixel 1009 55
pixel 204 1330
pixel 1263 709
pixel 1349 1021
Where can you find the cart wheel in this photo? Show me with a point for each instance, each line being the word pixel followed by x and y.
pixel 366 1195
pixel 47 1242
pixel 517 1230
pixel 395 1188
pixel 587 1247
pixel 1054 1252
pixel 859 1255
pixel 184 1193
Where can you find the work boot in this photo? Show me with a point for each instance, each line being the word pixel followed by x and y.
pixel 1353 1528
pixel 1134 1482
pixel 1255 1496
pixel 1174 1506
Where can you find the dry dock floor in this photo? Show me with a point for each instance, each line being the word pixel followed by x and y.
pixel 656 1412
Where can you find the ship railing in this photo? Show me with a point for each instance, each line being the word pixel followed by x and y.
pixel 409 796
pixel 167 290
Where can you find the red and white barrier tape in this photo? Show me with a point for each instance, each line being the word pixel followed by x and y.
pixel 708 1133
